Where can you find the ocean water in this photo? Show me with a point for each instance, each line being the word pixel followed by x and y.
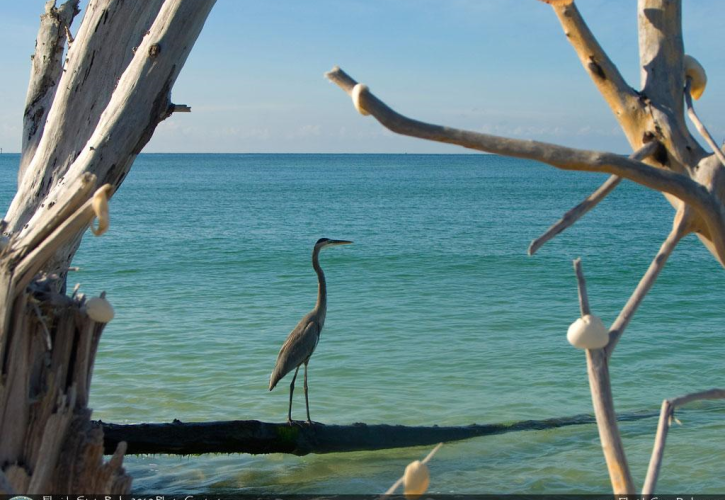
pixel 436 315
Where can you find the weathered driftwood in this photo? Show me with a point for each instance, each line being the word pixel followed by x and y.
pixel 45 74
pixel 86 120
pixel 254 437
pixel 691 179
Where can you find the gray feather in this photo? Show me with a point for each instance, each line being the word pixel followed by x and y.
pixel 297 349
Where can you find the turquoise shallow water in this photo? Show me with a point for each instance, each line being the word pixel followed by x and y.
pixel 436 316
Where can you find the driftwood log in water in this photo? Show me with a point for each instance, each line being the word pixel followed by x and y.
pixel 255 437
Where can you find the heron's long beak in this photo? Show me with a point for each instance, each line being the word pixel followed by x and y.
pixel 339 242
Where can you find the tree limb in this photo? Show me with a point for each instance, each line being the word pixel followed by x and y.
pixel 33 262
pixel 622 98
pixel 603 403
pixel 255 437
pixel 700 126
pixel 47 69
pixel 79 192
pixel 708 207
pixel 680 228
pixel 92 70
pixel 598 363
pixel 666 415
pixel 590 202
pixel 140 101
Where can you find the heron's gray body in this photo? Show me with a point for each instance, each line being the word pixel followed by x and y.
pixel 303 339
pixel 298 347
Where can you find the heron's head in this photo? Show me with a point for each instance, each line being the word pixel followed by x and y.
pixel 326 242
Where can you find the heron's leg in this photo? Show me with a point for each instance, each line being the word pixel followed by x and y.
pixel 307 401
pixel 291 391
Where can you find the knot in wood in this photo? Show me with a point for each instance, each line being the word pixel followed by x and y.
pixel 154 50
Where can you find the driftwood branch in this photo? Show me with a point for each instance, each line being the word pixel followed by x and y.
pixel 666 416
pixel 700 126
pixel 603 402
pixel 45 74
pixel 661 53
pixel 680 228
pixel 29 266
pixel 582 287
pixel 79 191
pixel 92 69
pixel 621 97
pixel 255 437
pixel 590 202
pixel 707 206
pixel 598 359
pixel 122 129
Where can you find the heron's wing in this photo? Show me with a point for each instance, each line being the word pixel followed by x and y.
pixel 297 349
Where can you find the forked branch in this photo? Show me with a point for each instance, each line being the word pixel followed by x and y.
pixel 666 416
pixel 603 403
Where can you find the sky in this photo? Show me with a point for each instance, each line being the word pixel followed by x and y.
pixel 255 77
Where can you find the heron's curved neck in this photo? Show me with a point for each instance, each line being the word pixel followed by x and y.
pixel 321 305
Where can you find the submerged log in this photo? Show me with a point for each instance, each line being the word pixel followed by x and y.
pixel 255 437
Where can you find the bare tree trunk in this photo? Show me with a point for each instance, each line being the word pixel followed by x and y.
pixel 86 120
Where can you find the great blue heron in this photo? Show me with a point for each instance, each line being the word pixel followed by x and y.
pixel 301 342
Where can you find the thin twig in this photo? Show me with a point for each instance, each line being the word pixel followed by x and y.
pixel 680 228
pixel 590 202
pixel 667 412
pixel 700 126
pixel 582 287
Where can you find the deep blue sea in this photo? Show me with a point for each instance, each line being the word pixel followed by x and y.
pixel 436 315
